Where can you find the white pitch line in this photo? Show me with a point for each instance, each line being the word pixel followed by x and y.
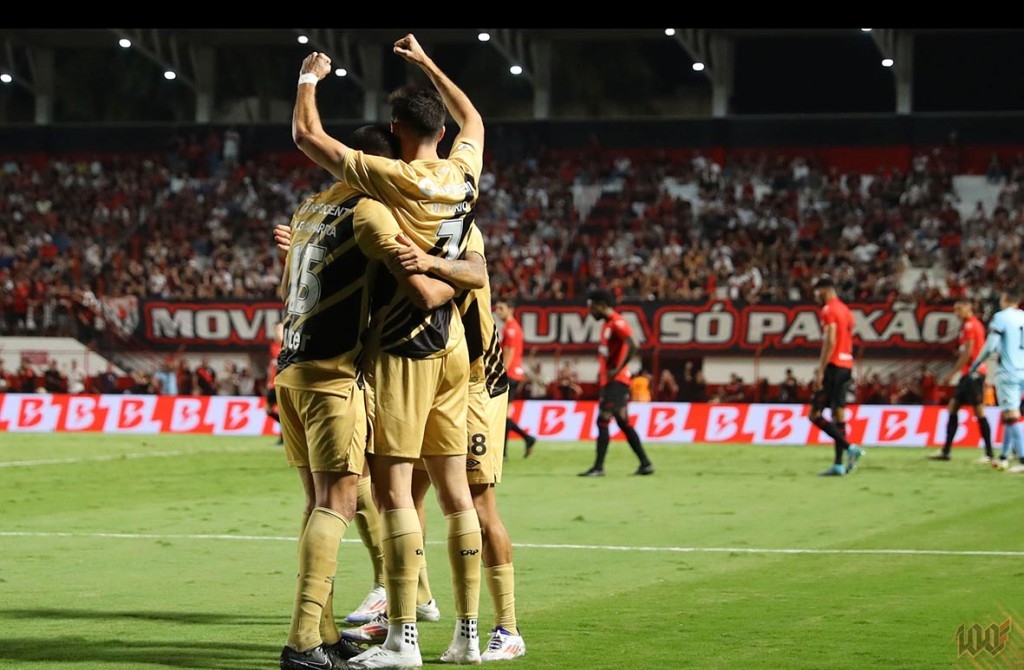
pixel 120 457
pixel 587 547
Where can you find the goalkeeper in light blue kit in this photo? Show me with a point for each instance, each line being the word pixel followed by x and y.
pixel 1006 337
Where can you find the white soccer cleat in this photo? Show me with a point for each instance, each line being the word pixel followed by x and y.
pixel 984 460
pixel 1017 469
pixel 503 646
pixel 374 632
pixel 428 611
pixel 375 602
pixel 1001 464
pixel 380 658
pixel 465 646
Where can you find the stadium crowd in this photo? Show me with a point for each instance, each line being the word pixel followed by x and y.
pixel 80 239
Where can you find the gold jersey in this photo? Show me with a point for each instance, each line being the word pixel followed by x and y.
pixel 432 200
pixel 338 237
pixel 486 364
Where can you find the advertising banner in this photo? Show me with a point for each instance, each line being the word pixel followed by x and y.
pixel 548 420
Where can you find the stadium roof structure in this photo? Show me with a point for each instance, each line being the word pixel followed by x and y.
pixel 82 75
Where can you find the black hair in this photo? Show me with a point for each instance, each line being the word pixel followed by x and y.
pixel 601 296
pixel 418 107
pixel 376 139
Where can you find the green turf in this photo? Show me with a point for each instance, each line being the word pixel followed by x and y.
pixel 178 552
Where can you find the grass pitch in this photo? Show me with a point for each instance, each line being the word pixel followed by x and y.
pixel 179 552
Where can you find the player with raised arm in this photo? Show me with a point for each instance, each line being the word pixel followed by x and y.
pixel 1006 338
pixel 833 375
pixel 970 390
pixel 421 375
pixel 329 271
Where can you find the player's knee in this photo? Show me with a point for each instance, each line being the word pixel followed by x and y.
pixel 603 420
pixel 1010 418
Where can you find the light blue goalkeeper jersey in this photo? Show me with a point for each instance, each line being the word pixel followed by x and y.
pixel 1005 337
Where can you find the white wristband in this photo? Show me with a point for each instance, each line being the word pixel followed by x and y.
pixel 308 78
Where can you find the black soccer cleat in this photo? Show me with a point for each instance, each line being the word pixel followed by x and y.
pixel 593 472
pixel 530 441
pixel 317 658
pixel 343 649
pixel 645 470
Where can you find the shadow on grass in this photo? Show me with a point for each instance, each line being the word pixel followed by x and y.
pixel 137 653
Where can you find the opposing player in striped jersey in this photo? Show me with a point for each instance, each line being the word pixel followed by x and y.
pixel 329 270
pixel 421 376
pixel 1006 338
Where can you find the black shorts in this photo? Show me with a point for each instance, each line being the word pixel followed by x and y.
pixel 834 387
pixel 513 388
pixel 614 397
pixel 969 392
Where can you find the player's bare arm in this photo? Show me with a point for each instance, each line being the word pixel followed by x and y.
pixel 422 291
pixel 630 351
pixel 828 345
pixel 307 130
pixel 468 273
pixel 471 124
pixel 963 358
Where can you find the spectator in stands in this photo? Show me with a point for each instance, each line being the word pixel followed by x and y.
pixel 76 378
pixel 8 379
pixel 28 379
pixel 54 380
pixel 700 387
pixel 789 388
pixel 227 382
pixel 142 383
pixel 668 387
pixel 687 389
pixel 568 382
pixel 536 384
pixel 735 390
pixel 246 382
pixel 206 377
pixel 165 379
pixel 186 379
pixel 640 386
pixel 107 381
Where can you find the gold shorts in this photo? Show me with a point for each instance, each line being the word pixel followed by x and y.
pixel 485 424
pixel 420 405
pixel 322 431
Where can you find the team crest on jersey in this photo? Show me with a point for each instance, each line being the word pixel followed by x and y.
pixel 428 187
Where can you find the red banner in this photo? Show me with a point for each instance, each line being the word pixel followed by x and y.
pixel 549 420
pixel 718 327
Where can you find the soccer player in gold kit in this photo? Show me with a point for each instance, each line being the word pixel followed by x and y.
pixel 329 270
pixel 421 373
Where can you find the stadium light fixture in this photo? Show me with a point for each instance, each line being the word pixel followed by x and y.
pixel 302 39
pixel 887 62
pixel 170 75
pixel 483 36
pixel 6 78
pixel 865 30
pixel 340 72
pixel 669 32
pixel 698 67
pixel 516 70
pixel 125 43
